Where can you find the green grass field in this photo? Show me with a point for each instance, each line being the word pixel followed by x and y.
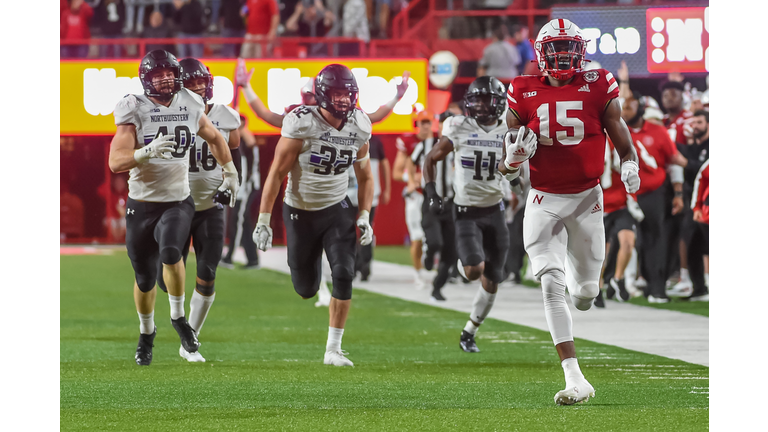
pixel 264 347
pixel 401 255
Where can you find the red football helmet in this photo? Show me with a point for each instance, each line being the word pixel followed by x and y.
pixel 560 49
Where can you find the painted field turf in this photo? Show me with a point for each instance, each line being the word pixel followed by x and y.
pixel 264 371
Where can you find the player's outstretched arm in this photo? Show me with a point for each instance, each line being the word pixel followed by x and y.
pixel 384 110
pixel 622 140
pixel 260 109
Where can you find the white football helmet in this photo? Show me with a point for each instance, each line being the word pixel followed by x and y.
pixel 560 49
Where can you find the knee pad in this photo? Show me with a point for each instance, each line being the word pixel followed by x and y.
pixel 145 283
pixel 306 288
pixel 342 288
pixel 472 260
pixel 582 292
pixel 206 272
pixel 170 255
pixel 205 290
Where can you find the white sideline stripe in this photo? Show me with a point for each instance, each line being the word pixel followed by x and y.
pixel 665 333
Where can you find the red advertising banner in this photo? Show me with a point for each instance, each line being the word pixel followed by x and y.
pixel 677 39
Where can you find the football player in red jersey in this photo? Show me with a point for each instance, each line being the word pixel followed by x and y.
pixel 657 154
pixel 621 213
pixel 570 110
pixel 675 119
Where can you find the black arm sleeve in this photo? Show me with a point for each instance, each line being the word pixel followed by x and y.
pixel 237 160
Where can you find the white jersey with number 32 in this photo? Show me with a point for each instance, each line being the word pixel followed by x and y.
pixel 319 177
pixel 205 175
pixel 477 153
pixel 161 180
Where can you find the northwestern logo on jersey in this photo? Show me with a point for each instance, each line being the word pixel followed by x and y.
pixel 485 143
pixel 337 140
pixel 169 118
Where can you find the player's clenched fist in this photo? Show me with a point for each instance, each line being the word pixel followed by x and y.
pixel 366 232
pixel 160 147
pixel 230 183
pixel 262 235
pixel 521 149
pixel 630 176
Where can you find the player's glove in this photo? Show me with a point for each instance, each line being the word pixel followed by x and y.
pixel 242 76
pixel 230 183
pixel 366 232
pixel 160 147
pixel 521 149
pixel 262 235
pixel 630 176
pixel 434 200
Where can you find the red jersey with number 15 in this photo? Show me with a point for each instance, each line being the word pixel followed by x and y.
pixel 569 123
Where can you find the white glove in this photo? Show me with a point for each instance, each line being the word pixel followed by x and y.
pixel 230 181
pixel 160 147
pixel 634 209
pixel 366 232
pixel 630 176
pixel 262 235
pixel 522 149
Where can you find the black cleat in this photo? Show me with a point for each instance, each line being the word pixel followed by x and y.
pixel 467 342
pixel 619 286
pixel 429 261
pixel 599 302
pixel 436 296
pixel 144 350
pixel 186 334
pixel 610 292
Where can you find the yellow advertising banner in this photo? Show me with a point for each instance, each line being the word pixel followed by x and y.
pixel 91 89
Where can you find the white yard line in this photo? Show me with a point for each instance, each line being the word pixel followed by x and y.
pixel 665 333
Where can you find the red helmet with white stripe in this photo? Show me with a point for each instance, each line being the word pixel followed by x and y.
pixel 560 49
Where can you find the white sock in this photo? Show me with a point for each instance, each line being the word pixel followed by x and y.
pixel 177 306
pixel 471 328
pixel 334 339
pixel 416 274
pixel 571 369
pixel 706 279
pixel 147 323
pixel 684 276
pixel 199 305
pixel 482 305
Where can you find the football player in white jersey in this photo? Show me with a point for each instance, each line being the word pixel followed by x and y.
pixel 207 229
pixel 154 133
pixel 318 145
pixel 243 79
pixel 482 239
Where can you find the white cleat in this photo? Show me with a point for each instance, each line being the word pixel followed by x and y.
pixel 337 358
pixel 684 288
pixel 323 302
pixel 194 357
pixel 577 392
pixel 419 282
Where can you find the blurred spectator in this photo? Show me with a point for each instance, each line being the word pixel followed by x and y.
pixel 672 101
pixel 700 206
pixel 382 14
pixel 232 25
pixel 524 47
pixel 71 213
pixel 158 30
pixel 262 21
pixel 190 17
pixel 75 25
pixel 215 10
pixel 311 18
pixel 110 15
pixel 355 23
pixel 692 249
pixel 500 58
pixel 119 197
pixel 131 9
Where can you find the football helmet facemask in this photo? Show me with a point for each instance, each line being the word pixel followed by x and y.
pixel 560 49
pixel 332 85
pixel 192 69
pixel 152 63
pixel 485 99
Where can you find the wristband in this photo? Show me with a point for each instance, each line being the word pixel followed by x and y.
pixel 678 194
pixel 249 94
pixel 229 167
pixel 364 214
pixel 514 167
pixel 264 218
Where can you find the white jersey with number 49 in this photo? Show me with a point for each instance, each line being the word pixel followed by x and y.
pixel 319 177
pixel 161 180
pixel 205 174
pixel 477 153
